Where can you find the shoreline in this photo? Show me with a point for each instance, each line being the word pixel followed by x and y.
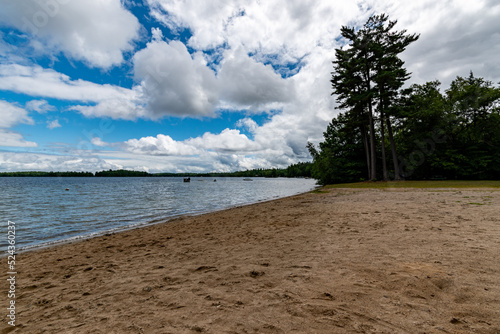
pixel 106 221
pixel 134 226
pixel 335 261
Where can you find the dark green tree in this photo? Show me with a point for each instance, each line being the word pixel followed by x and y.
pixel 340 156
pixel 474 105
pixel 368 73
pixel 389 77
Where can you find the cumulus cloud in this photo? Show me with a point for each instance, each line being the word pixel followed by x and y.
pixel 127 105
pixel 40 106
pixel 14 139
pixel 159 145
pixel 209 30
pixel 94 31
pixel 247 123
pixel 248 84
pixel 228 150
pixel 174 82
pixel 11 116
pixel 53 124
pixel 98 142
pixel 287 28
pixel 157 34
pixel 228 141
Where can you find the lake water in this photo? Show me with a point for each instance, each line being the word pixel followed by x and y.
pixel 45 213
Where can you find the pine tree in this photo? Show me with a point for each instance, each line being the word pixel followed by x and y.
pixel 367 77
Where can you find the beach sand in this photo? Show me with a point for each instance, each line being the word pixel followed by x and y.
pixel 339 261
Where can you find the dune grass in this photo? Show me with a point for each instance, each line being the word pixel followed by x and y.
pixel 419 184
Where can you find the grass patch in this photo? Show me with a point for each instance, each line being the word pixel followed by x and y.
pixel 319 191
pixel 419 184
pixel 477 203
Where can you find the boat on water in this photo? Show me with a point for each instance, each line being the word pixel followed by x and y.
pixel 187 179
pixel 246 179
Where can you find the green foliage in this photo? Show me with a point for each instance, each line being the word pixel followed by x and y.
pixel 366 81
pixel 46 174
pixel 340 158
pixel 431 135
pixel 458 132
pixel 301 169
pixel 455 135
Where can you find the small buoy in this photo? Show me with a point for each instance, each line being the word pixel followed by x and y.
pixel 66 189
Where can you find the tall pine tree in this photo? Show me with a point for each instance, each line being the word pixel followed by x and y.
pixel 367 77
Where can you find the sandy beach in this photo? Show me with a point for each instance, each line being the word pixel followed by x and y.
pixel 338 261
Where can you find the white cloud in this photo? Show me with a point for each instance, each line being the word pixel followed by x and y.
pixel 247 123
pixel 12 115
pixel 14 139
pixel 53 124
pixel 228 141
pixel 456 36
pixel 174 82
pixel 98 142
pixel 159 145
pixel 288 28
pixel 247 84
pixel 107 100
pixel 157 34
pixel 37 81
pixel 30 161
pixel 127 105
pixel 94 31
pixel 40 106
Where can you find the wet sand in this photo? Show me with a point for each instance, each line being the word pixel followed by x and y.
pixel 343 261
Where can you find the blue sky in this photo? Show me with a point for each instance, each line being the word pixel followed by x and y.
pixel 176 86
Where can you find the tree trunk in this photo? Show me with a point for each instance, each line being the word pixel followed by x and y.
pixel 397 172
pixel 373 151
pixel 382 134
pixel 367 151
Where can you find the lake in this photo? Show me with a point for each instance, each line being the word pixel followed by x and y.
pixel 44 212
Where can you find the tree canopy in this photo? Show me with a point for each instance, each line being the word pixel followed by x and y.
pixel 430 134
pixel 367 76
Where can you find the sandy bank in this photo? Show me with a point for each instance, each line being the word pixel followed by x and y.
pixel 346 261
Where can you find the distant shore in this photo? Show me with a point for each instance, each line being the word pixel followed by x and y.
pixel 301 169
pixel 329 261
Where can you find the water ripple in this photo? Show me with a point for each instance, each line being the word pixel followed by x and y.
pixel 44 212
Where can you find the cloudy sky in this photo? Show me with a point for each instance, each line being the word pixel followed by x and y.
pixel 215 85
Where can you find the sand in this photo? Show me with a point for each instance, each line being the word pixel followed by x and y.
pixel 343 261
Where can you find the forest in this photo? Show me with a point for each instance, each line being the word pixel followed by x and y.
pixel 301 169
pixel 385 131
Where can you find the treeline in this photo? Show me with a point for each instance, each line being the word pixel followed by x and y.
pixel 301 169
pixel 450 135
pixel 47 174
pixel 385 132
pixel 121 173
